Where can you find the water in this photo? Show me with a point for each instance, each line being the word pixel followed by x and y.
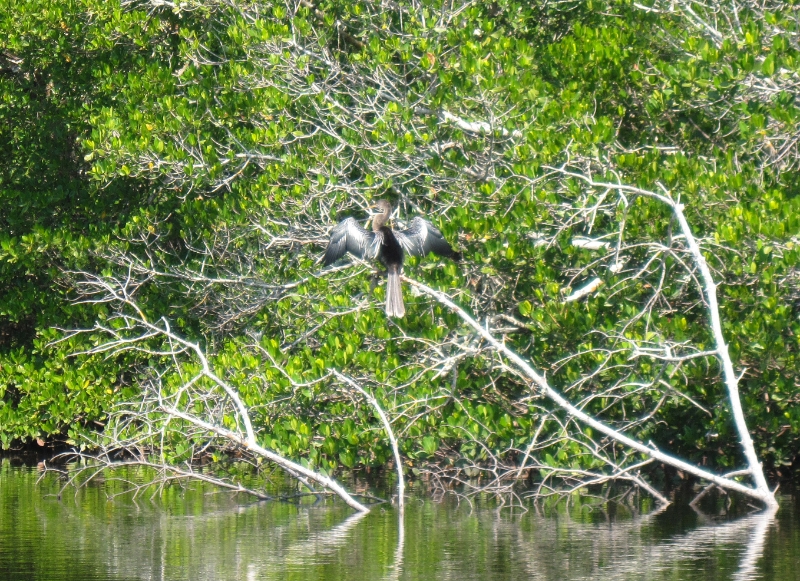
pixel 195 535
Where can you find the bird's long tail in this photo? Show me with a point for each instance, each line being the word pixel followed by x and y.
pixel 394 294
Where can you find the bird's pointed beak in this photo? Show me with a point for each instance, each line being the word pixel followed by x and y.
pixel 370 215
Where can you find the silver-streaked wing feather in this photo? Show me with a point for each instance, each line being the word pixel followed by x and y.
pixel 349 236
pixel 422 237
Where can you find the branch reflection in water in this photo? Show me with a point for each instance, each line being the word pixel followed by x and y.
pixel 748 533
pixel 397 565
pixel 323 543
pixel 760 523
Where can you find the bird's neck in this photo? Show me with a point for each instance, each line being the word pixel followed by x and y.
pixel 379 221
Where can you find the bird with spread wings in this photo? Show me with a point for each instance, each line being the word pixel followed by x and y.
pixel 389 246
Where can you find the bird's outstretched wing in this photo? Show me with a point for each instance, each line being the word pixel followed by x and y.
pixel 422 237
pixel 349 236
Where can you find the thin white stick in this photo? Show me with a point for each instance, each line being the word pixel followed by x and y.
pixel 401 484
pixel 284 463
pixel 729 375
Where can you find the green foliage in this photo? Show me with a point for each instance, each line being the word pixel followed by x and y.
pixel 173 127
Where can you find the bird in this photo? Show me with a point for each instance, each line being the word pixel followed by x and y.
pixel 389 246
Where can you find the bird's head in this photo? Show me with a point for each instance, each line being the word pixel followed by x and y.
pixel 382 207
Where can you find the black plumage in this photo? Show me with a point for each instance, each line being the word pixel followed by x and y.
pixel 388 246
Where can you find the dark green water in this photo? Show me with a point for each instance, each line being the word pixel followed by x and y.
pixel 198 536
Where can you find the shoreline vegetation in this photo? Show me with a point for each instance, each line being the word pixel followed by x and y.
pixel 377 489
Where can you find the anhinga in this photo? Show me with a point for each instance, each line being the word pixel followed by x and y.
pixel 388 246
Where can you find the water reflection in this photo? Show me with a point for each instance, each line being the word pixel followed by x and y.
pixel 631 558
pixel 323 543
pixel 397 565
pixel 755 549
pixel 198 536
